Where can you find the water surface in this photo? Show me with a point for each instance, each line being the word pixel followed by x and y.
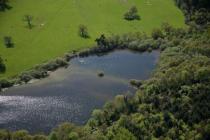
pixel 70 94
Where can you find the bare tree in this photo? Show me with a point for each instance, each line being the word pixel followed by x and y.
pixel 28 19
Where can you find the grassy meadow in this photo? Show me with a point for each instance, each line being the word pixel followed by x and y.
pixel 56 24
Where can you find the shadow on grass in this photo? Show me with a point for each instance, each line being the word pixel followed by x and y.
pixel 5 7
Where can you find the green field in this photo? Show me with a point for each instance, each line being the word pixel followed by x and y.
pixel 56 24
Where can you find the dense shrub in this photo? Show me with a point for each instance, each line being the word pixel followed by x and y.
pixel 196 11
pixel 136 83
pixel 132 14
pixel 8 42
pixel 53 65
pixel 2 66
pixel 157 33
pixel 144 45
pixel 83 31
pixel 6 83
pixel 26 77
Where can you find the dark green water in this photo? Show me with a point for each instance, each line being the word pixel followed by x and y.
pixel 72 93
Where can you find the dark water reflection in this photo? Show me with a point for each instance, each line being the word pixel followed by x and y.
pixel 71 94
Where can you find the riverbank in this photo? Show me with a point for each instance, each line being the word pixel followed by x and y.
pixel 138 42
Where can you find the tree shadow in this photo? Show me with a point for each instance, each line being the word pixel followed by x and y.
pixel 5 7
pixel 2 68
pixel 12 45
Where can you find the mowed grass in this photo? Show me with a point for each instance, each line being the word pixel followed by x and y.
pixel 56 24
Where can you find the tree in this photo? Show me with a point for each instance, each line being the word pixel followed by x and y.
pixel 2 65
pixel 5 135
pixel 98 115
pixel 101 41
pixel 8 41
pixel 28 19
pixel 73 136
pixel 19 135
pixel 38 137
pixel 3 5
pixel 132 14
pixel 53 136
pixel 124 134
pixel 64 130
pixel 157 33
pixel 167 28
pixel 83 31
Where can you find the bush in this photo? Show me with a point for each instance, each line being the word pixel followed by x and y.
pixel 136 83
pixel 25 77
pixel 167 28
pixel 144 45
pixel 83 31
pixel 157 33
pixel 38 74
pixel 5 135
pixel 101 41
pixel 2 66
pixel 8 42
pixel 132 14
pixel 53 65
pixel 4 5
pixel 101 74
pixel 73 136
pixel 19 135
pixel 40 137
pixel 6 83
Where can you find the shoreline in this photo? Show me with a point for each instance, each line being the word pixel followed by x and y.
pixel 42 71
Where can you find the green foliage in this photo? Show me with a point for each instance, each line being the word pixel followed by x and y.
pixel 52 136
pixel 39 137
pixel 8 42
pixel 83 31
pixel 157 33
pixel 101 41
pixel 2 65
pixel 73 136
pixel 196 11
pixel 123 134
pixel 4 135
pixel 132 14
pixel 28 19
pixel 4 5
pixel 20 135
pixel 63 131
pixel 173 104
